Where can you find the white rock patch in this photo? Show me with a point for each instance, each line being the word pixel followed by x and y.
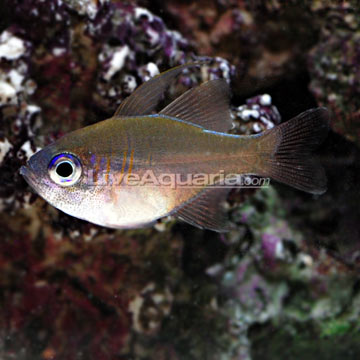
pixel 148 71
pixel 16 79
pixel 139 12
pixel 247 114
pixel 86 7
pixel 117 61
pixel 11 47
pixel 265 100
pixel 26 147
pixel 7 93
pixel 129 83
pixel 59 51
pixel 5 146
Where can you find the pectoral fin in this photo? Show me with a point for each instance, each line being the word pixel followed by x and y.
pixel 206 105
pixel 145 98
pixel 207 210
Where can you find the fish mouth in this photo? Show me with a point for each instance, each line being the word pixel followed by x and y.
pixel 23 170
pixel 28 175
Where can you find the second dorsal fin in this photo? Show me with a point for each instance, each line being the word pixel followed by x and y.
pixel 206 105
pixel 146 97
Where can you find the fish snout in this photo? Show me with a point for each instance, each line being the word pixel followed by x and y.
pixel 24 170
pixel 28 173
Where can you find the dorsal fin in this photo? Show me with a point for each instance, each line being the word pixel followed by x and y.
pixel 206 105
pixel 145 98
pixel 207 210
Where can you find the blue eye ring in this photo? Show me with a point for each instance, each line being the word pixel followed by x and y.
pixel 65 169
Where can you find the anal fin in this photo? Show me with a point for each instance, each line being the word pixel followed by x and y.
pixel 207 210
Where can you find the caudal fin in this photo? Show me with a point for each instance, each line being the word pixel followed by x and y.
pixel 288 148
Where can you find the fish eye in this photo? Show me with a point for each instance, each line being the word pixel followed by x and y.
pixel 65 169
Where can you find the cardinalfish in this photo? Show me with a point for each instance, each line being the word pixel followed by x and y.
pixel 188 136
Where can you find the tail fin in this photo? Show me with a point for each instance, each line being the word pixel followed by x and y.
pixel 289 148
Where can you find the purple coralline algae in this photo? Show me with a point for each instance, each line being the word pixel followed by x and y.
pixel 274 279
pixel 334 66
pixel 256 116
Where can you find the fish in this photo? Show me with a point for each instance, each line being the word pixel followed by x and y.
pixel 119 172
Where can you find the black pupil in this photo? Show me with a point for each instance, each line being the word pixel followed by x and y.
pixel 64 169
